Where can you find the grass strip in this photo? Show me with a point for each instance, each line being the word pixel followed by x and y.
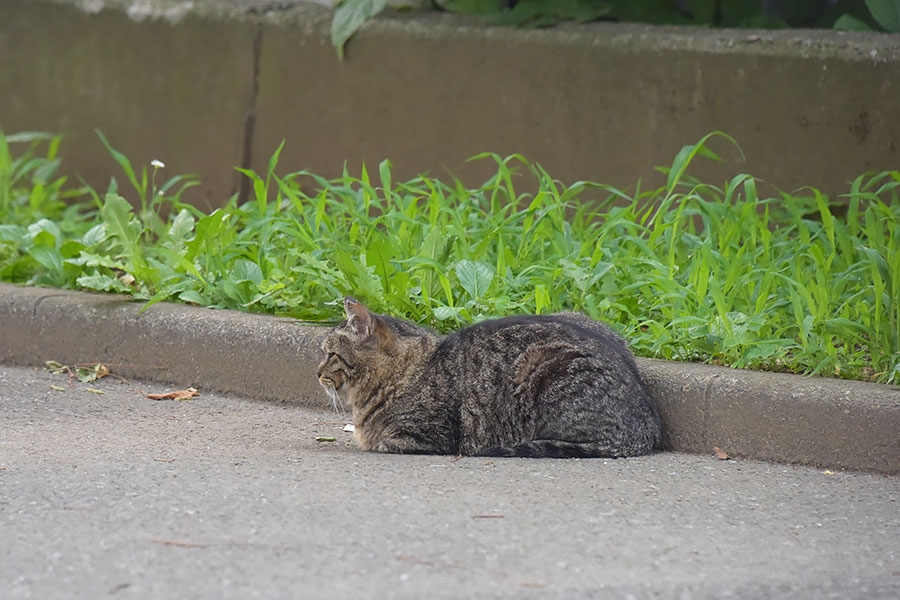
pixel 691 271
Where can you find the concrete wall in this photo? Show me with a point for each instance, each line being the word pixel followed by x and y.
pixel 205 86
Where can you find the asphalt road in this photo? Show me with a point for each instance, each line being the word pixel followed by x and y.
pixel 115 495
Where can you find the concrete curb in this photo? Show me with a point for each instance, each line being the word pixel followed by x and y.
pixel 787 418
pixel 260 357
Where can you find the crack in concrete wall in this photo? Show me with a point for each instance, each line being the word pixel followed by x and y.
pixel 250 117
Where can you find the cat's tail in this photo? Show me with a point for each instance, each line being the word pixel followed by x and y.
pixel 563 449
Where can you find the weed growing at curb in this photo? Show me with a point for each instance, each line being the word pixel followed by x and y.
pixel 690 271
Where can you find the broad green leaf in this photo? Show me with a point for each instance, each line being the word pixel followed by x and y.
pixel 119 219
pixel 542 300
pixel 177 260
pixel 102 283
pixel 378 255
pixel 433 245
pixel 182 226
pixel 442 313
pixel 474 277
pixel 94 235
pixel 89 259
pixel 71 249
pixel 193 297
pixel 12 233
pixel 349 16
pixel 851 23
pixel 886 12
pixel 246 270
pixel 49 257
pixel 44 232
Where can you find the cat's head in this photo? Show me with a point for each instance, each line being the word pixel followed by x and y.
pixel 368 349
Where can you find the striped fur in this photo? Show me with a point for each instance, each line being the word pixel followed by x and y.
pixel 538 386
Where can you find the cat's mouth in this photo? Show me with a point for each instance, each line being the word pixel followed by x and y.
pixel 327 382
pixel 334 393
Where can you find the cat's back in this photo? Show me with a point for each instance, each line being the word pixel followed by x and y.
pixel 511 335
pixel 497 355
pixel 547 385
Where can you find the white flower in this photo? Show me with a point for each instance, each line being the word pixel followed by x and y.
pixel 157 164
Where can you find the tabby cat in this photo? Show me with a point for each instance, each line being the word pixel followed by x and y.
pixel 559 385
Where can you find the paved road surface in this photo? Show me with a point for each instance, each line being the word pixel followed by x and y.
pixel 115 495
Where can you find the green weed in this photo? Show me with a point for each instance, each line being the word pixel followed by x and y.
pixel 690 271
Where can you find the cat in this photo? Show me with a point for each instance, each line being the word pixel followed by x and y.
pixel 561 385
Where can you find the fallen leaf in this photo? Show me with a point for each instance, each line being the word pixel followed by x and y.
pixel 93 391
pixel 57 388
pixel 89 373
pixel 176 395
pixel 56 367
pixel 720 454
pixel 828 472
pixel 325 439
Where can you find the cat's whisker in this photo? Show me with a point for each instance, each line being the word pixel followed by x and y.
pixel 336 405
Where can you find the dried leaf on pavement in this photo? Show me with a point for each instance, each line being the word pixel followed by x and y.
pixel 85 373
pixel 720 454
pixel 89 373
pixel 56 367
pixel 176 395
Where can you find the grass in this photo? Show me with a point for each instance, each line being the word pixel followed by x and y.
pixel 690 271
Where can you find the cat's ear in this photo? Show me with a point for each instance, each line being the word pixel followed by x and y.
pixel 359 318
